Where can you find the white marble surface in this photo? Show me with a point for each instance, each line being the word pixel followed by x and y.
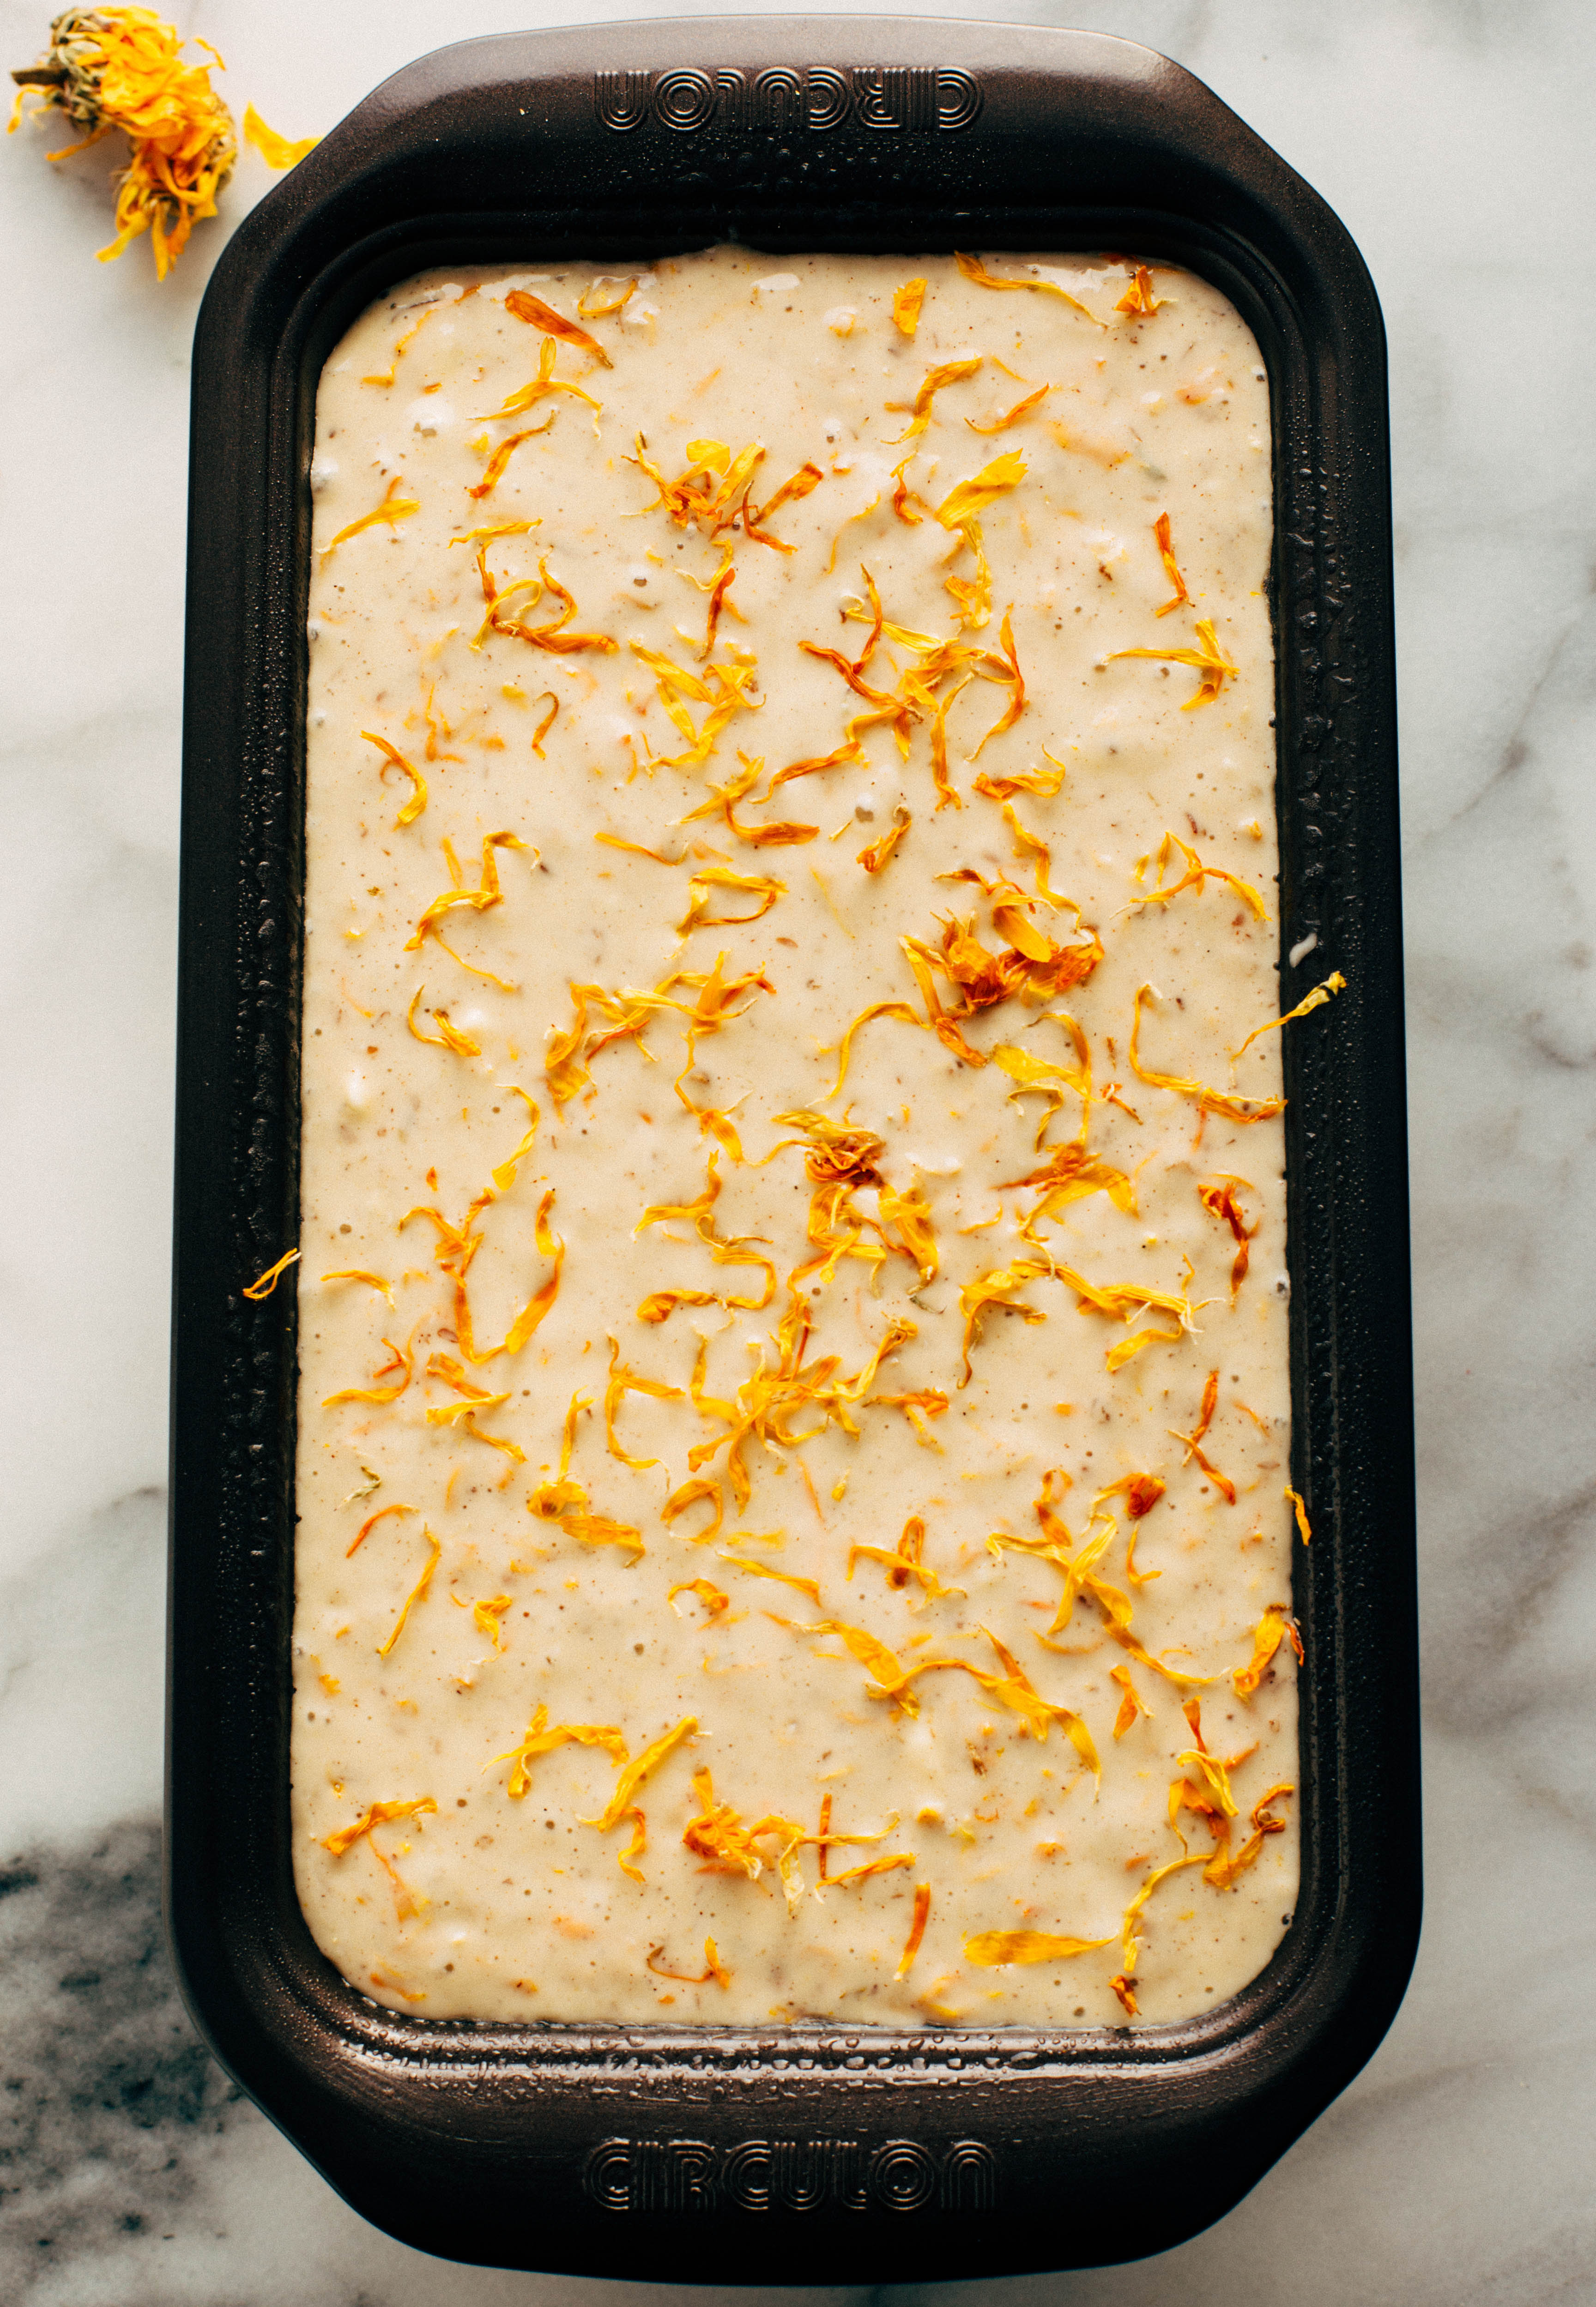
pixel 1456 142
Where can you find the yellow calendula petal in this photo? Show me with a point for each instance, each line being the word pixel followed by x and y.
pixel 947 373
pixel 544 384
pixel 714 1969
pixel 988 1293
pixel 370 1524
pixel 1208 1100
pixel 1045 784
pixel 392 509
pixel 403 1360
pixel 533 1312
pixel 602 1530
pixel 1131 1705
pixel 1335 984
pixel 972 497
pixel 873 857
pixel 360 1273
pixel 1127 1349
pixel 1123 1301
pixel 1208 659
pixel 1015 1690
pixel 637 849
pixel 704 1489
pixel 1161 530
pixel 447 1037
pixel 624 1381
pixel 480 900
pixel 765 1570
pixel 899 1009
pixel 631 1778
pixel 760 886
pixel 877 1659
pixel 403 346
pixel 993 1949
pixel 504 1171
pixel 418 1593
pixel 487 1614
pixel 635 1849
pixel 265 1283
pixel 715 1601
pixel 603 296
pixel 417 801
pixel 542 1738
pixel 1130 1943
pixel 801 484
pixel 532 309
pixel 974 270
pixel 1195 874
pixel 499 462
pixel 1138 298
pixel 377 1814
pixel 493 528
pixel 563 1070
pixel 872 1867
pixel 1218 1197
pixel 452 1413
pixel 1276 1625
pixel 922 1898
pixel 1213 1775
pixel 1011 416
pixel 906 303
pixel 1224 1868
pixel 720 1838
pixel 277 152
pixel 904 1562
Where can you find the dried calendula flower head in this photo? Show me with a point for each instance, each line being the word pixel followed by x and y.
pixel 111 68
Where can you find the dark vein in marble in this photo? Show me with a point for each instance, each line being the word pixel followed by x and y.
pixel 106 2088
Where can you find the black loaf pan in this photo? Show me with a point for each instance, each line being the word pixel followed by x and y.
pixel 808 2154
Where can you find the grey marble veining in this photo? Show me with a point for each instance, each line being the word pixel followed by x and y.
pixel 1456 142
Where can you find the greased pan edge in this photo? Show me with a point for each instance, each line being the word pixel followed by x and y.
pixel 813 2154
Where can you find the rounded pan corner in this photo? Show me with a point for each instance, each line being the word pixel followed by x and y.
pixel 661 2153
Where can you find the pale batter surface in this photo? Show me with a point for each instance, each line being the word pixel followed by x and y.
pixel 842 1521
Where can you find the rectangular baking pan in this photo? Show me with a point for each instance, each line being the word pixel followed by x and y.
pixel 805 2153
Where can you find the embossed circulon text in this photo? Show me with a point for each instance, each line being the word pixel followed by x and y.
pixel 790 2174
pixel 886 99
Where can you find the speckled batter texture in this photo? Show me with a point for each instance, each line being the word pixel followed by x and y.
pixel 879 1484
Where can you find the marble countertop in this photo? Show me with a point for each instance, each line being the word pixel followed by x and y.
pixel 1455 140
